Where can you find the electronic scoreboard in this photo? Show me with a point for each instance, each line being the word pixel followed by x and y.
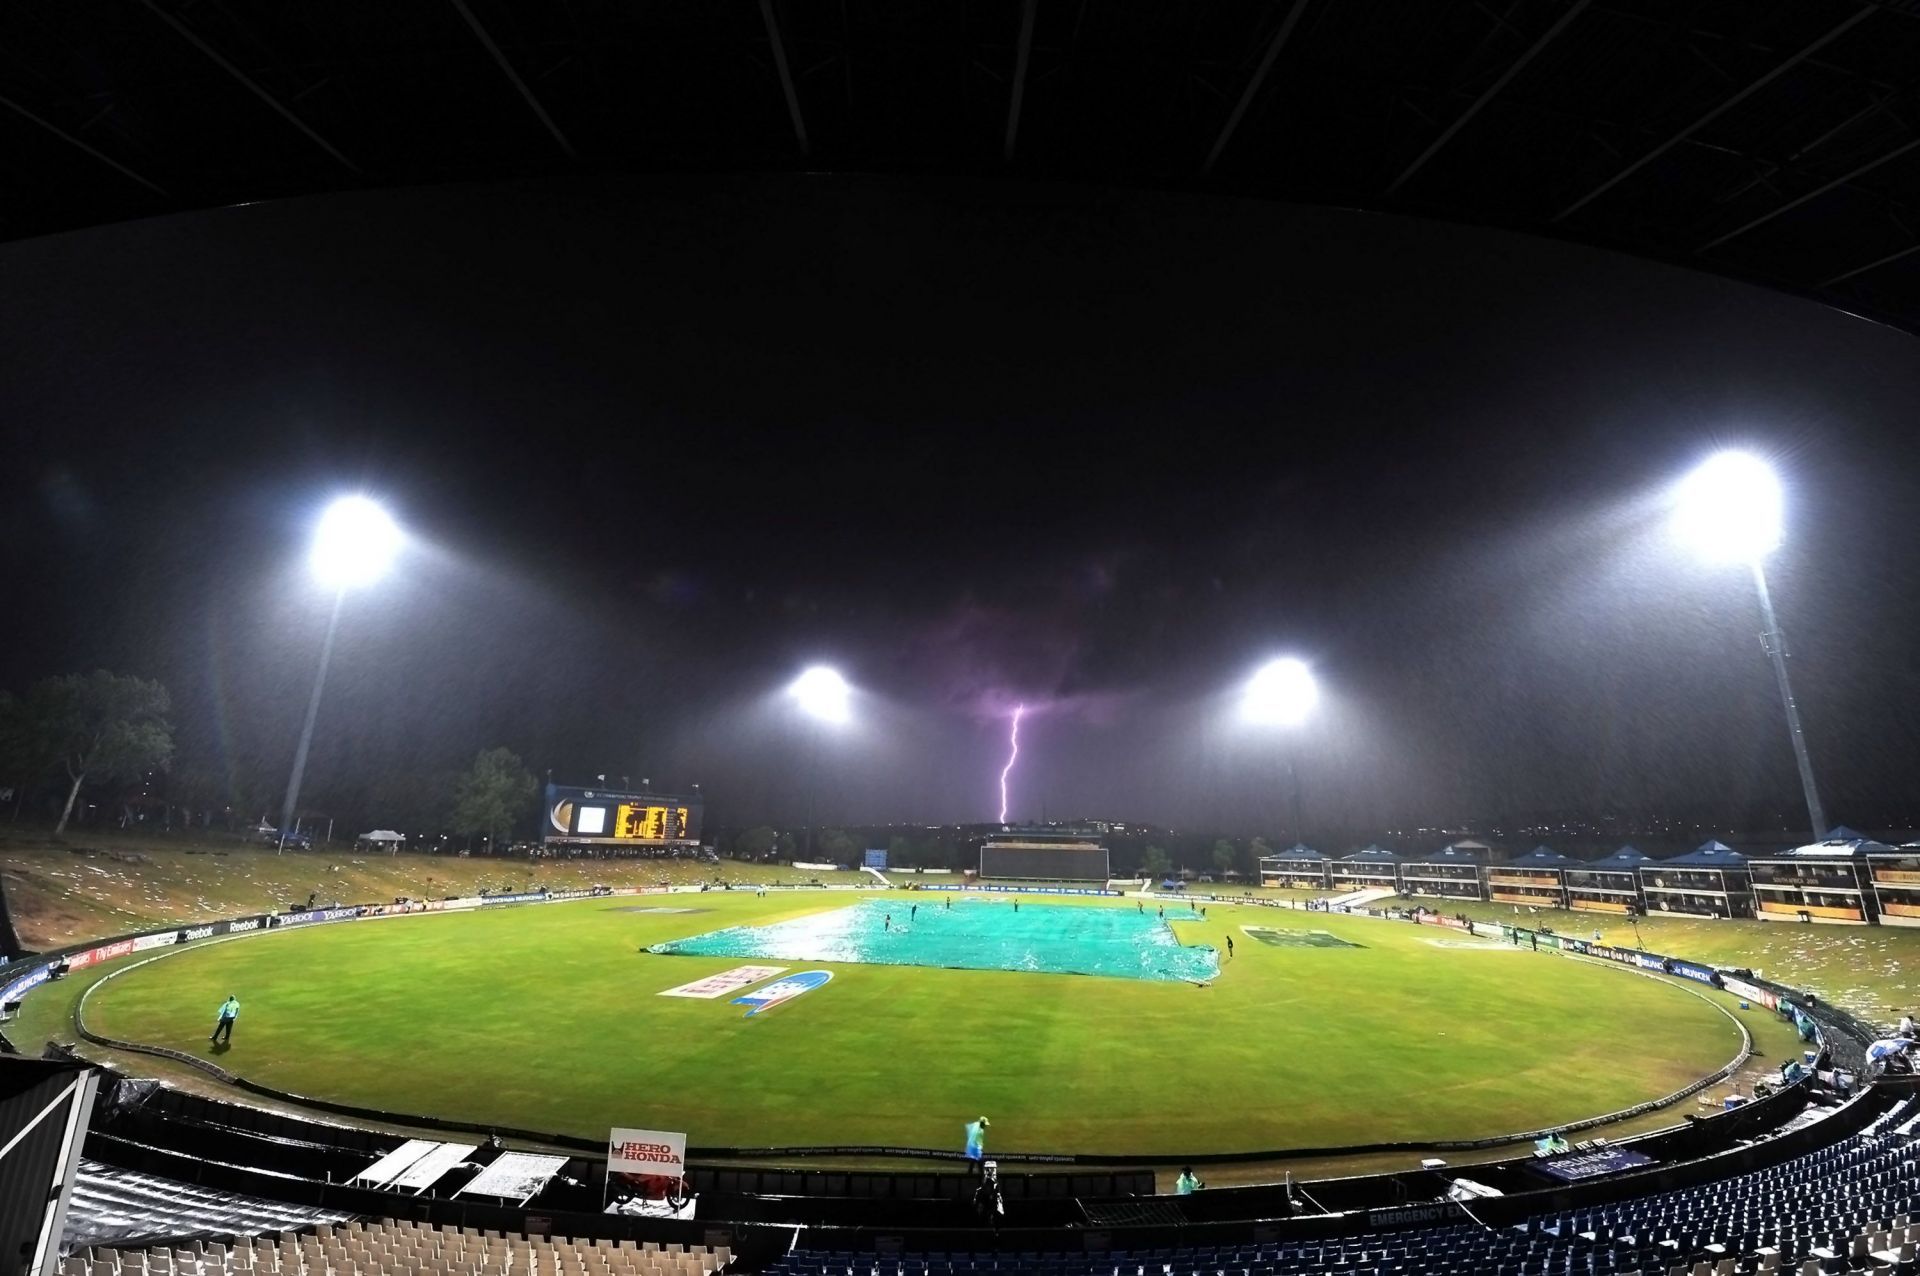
pixel 607 818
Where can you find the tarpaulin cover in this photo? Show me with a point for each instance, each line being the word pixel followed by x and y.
pixel 975 934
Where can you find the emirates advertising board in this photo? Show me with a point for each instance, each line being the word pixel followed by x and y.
pixel 645 1165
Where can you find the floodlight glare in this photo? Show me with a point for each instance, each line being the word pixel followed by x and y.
pixel 354 544
pixel 1281 694
pixel 823 694
pixel 1729 510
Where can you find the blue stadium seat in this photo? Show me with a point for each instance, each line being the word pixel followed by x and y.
pixel 1818 1207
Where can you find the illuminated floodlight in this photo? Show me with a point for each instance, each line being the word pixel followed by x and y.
pixel 1729 509
pixel 1281 694
pixel 354 544
pixel 823 694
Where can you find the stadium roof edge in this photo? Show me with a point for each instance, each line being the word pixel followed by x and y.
pixel 1777 157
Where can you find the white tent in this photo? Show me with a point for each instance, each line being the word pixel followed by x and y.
pixel 385 838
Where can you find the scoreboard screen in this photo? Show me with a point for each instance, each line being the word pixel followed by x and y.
pixel 620 819
pixel 633 823
pixel 1014 860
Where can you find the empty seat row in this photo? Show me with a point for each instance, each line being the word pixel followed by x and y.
pixel 391 1247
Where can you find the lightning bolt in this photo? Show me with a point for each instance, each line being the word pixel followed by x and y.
pixel 1013 744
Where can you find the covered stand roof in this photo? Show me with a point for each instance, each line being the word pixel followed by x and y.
pixel 1299 851
pixel 1624 860
pixel 1708 855
pixel 1540 857
pixel 1374 854
pixel 1454 854
pixel 1850 848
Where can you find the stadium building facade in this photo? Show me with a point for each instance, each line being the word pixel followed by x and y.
pixel 1896 884
pixel 1536 879
pixel 1453 872
pixel 1822 882
pixel 1375 868
pixel 1848 879
pixel 1712 880
pixel 1610 885
pixel 1044 855
pixel 1299 868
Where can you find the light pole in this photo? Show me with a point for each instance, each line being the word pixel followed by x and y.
pixel 353 545
pixel 826 700
pixel 1729 510
pixel 1282 693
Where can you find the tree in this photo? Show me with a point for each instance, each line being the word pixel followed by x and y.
pixel 492 794
pixel 1154 862
pixel 27 755
pixel 756 843
pixel 834 846
pixel 102 726
pixel 904 852
pixel 1224 856
pixel 26 758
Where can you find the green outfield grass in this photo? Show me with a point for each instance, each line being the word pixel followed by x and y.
pixel 547 1018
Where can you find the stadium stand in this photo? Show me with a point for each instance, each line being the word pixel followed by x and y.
pixel 1814 1176
pixel 1847 1207
pixel 390 1247
pixel 115 1206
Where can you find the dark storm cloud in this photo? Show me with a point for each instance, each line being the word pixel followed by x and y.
pixel 983 660
pixel 980 445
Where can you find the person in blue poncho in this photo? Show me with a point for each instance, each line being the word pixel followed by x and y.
pixel 229 1011
pixel 977 1139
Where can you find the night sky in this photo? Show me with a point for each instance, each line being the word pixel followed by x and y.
pixel 660 444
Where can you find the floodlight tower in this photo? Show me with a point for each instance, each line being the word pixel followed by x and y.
pixel 1730 510
pixel 826 701
pixel 353 545
pixel 1282 693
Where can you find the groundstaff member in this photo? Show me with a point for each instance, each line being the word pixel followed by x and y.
pixel 986 1198
pixel 977 1139
pixel 1188 1183
pixel 223 1026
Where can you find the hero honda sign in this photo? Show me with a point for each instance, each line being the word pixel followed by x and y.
pixel 645 1165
